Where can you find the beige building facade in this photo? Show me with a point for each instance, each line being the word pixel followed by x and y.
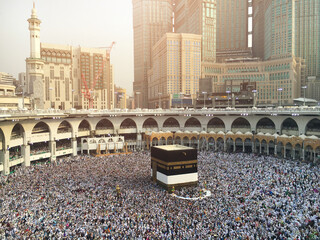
pixel 65 77
pixel 278 81
pixel 176 69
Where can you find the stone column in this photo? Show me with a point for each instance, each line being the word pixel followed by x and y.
pixel 314 156
pixel 234 145
pixel 74 147
pixel 260 147
pixel 25 151
pixel 224 144
pixel 4 159
pixel 267 148
pixel 243 148
pixel 215 145
pixel 293 153
pixel 139 139
pixel 303 156
pixel 284 151
pixel 275 149
pixel 52 146
pixel 198 144
pixel 253 148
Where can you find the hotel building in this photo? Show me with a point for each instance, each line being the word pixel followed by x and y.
pixel 176 69
pixel 151 20
pixel 63 77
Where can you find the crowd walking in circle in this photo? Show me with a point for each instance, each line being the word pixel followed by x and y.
pixel 253 197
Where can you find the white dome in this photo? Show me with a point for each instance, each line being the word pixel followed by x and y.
pixel 239 133
pixel 230 133
pixel 212 132
pixel 220 132
pixel 260 134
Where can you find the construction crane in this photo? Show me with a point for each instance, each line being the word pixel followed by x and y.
pixel 88 92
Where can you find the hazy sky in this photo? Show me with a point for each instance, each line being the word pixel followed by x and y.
pixel 88 23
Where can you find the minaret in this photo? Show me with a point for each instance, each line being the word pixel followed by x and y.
pixel 34 65
pixel 34 28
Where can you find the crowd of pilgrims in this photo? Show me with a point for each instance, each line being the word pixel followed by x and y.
pixel 253 197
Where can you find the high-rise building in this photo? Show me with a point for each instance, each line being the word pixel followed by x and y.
pixel 6 78
pixel 63 77
pixel 176 69
pixel 307 35
pixel 120 97
pixel 277 81
pixel 232 29
pixel 198 17
pixel 288 28
pixel 151 19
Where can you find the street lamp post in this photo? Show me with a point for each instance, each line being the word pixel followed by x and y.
pixel 138 93
pixel 72 98
pixel 280 90
pixel 159 99
pixel 181 99
pixel 204 99
pixel 228 92
pixel 304 95
pixel 50 96
pixel 254 97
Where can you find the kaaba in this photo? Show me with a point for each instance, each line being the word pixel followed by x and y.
pixel 174 165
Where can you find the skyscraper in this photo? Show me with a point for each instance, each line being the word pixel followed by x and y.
pixel 198 17
pixel 307 43
pixel 288 28
pixel 151 20
pixel 232 29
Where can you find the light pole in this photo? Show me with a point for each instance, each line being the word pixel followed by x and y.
pixel 138 93
pixel 204 99
pixel 159 99
pixel 304 95
pixel 254 97
pixel 181 99
pixel 228 92
pixel 50 96
pixel 72 98
pixel 280 90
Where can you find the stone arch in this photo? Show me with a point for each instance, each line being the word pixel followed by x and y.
pixel 238 144
pixel 150 123
pixel 264 146
pixel 84 125
pixel 248 145
pixel 216 124
pixel 162 141
pixel 104 124
pixel 101 141
pixel 192 123
pixel 185 141
pixel 312 127
pixel 289 149
pixel 155 141
pixel 170 140
pixel 220 144
pixel 40 127
pixel 202 143
pixel 64 127
pixel 289 127
pixel 266 125
pixel 178 140
pixel 240 124
pixel 171 123
pixel 128 123
pixel 194 142
pixel 17 131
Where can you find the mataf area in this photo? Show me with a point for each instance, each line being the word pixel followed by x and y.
pixel 253 197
